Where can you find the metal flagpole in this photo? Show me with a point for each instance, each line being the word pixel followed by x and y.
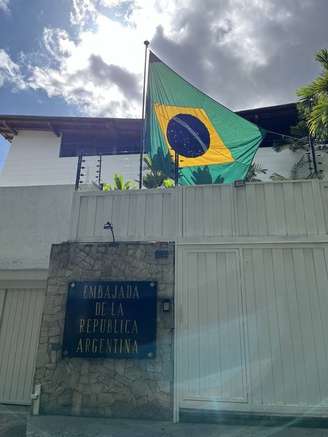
pixel 143 116
pixel 176 169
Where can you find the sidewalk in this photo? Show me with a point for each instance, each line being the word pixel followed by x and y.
pixel 13 420
pixel 59 426
pixel 13 424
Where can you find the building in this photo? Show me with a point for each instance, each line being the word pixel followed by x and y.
pixel 245 289
pixel 46 148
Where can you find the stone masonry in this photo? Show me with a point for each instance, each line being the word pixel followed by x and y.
pixel 132 388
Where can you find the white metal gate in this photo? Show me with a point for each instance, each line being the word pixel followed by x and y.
pixel 251 327
pixel 286 298
pixel 210 337
pixel 20 319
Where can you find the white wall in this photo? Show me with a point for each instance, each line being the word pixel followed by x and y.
pixel 276 162
pixel 33 159
pixel 31 219
pixel 265 209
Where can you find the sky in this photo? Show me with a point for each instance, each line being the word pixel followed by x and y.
pixel 85 57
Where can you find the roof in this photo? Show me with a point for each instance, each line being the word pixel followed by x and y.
pixel 122 135
pixel 277 118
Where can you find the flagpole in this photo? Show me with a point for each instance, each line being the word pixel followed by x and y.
pixel 143 116
pixel 176 169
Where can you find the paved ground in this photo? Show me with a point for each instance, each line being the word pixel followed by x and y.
pixel 12 421
pixel 13 424
pixel 85 427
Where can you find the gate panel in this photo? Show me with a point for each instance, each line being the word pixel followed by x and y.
pixel 210 330
pixel 281 300
pixel 286 306
pixel 19 334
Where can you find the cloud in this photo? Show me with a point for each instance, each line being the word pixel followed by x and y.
pixel 247 53
pixel 58 43
pixel 103 73
pixel 83 11
pixel 86 81
pixel 244 53
pixel 105 59
pixel 10 72
pixel 4 6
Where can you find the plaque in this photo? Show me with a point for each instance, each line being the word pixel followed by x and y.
pixel 111 319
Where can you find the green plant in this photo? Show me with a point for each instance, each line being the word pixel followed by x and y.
pixel 168 183
pixel 158 172
pixel 119 184
pixel 154 177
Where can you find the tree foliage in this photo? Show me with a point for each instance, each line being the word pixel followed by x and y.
pixel 313 106
pixel 312 120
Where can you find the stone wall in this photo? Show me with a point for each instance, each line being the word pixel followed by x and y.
pixel 140 388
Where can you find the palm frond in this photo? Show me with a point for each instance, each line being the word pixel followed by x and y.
pixel 318 120
pixel 322 57
pixel 130 185
pixel 313 106
pixel 107 187
pixel 119 184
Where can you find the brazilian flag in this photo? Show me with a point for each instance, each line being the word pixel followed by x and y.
pixel 213 144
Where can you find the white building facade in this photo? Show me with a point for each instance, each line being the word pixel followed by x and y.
pixel 250 286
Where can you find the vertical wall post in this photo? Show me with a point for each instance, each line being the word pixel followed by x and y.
pixel 78 172
pixel 314 158
pixel 99 170
pixel 312 148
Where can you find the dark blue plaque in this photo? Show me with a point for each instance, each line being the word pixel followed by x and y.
pixel 110 319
